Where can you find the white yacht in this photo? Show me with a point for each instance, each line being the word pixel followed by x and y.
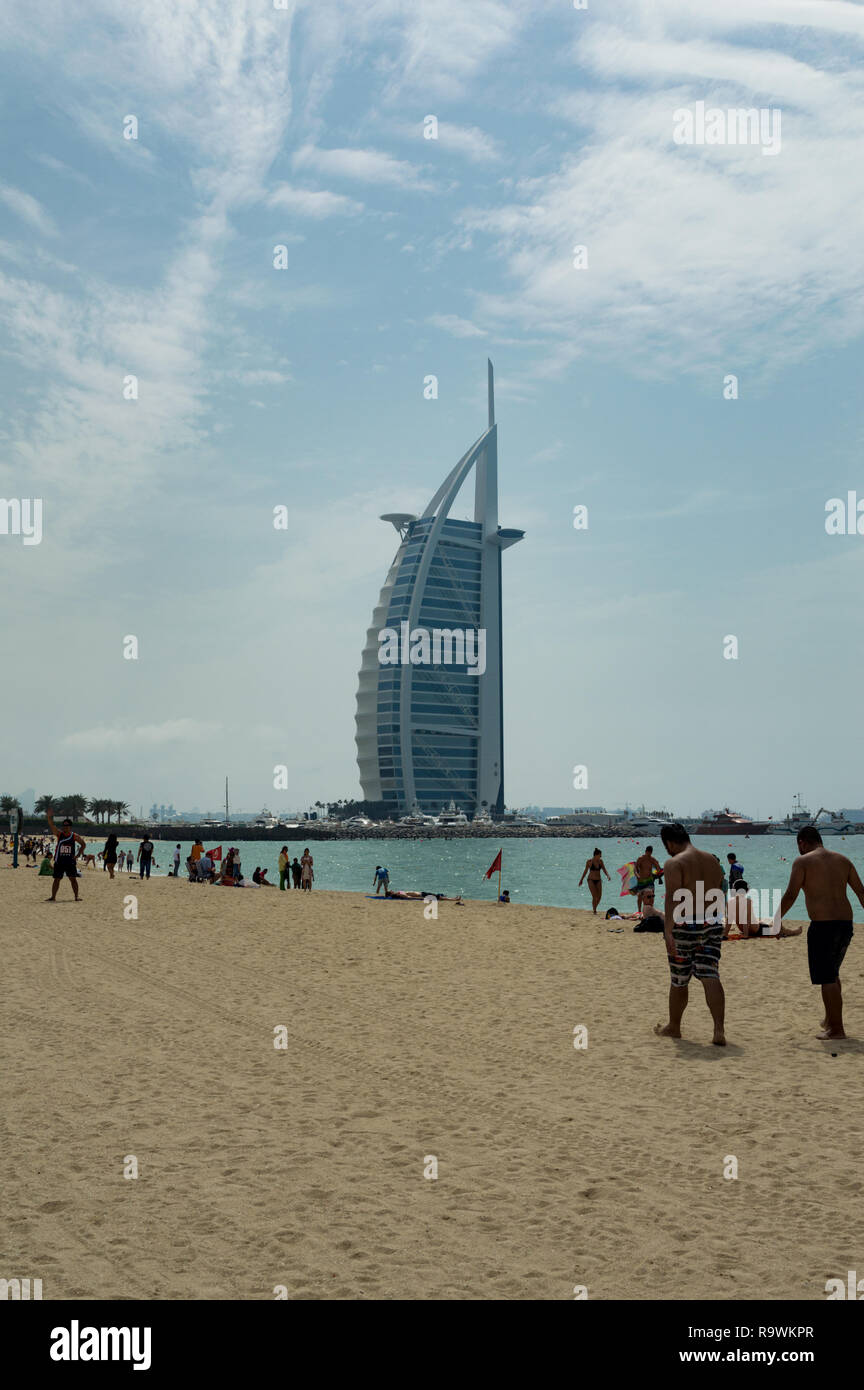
pixel 451 815
pixel 266 820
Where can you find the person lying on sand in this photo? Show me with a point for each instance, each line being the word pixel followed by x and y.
pixel 421 897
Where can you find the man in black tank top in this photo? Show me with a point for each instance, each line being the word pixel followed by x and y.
pixel 65 854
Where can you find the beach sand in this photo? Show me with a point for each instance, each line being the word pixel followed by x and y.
pixel 409 1038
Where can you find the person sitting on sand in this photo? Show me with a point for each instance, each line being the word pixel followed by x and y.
pixel 228 877
pixel 65 854
pixel 260 877
pixel 505 896
pixel 740 912
pixel 593 867
pixel 649 919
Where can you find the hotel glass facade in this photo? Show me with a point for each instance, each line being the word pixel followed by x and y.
pixel 430 732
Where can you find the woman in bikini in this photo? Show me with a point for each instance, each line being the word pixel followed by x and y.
pixel 593 867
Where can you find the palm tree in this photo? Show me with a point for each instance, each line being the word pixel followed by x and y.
pixel 42 805
pixel 73 805
pixel 8 803
pixel 121 809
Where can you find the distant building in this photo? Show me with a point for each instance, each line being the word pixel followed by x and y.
pixel 429 727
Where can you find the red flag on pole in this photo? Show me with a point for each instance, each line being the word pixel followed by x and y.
pixel 215 854
pixel 495 866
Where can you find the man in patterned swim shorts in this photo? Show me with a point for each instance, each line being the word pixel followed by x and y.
pixel 693 930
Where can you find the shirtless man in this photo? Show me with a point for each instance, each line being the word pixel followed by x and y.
pixel 65 862
pixel 693 927
pixel 647 869
pixel 824 876
pixel 595 882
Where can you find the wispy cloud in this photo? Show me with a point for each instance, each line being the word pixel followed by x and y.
pixel 143 736
pixel 28 208
pixel 306 202
pixel 364 166
pixel 458 328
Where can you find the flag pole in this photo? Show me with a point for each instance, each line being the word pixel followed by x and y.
pixel 500 867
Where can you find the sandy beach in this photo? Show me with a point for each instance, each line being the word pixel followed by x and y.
pixel 408 1038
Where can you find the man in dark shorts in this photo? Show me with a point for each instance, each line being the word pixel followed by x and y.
pixel 825 876
pixel 65 854
pixel 647 869
pixel 693 927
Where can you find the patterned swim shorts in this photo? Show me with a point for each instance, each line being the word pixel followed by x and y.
pixel 697 951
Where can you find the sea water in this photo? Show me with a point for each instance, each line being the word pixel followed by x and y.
pixel 542 871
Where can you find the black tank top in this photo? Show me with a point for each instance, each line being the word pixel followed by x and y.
pixel 65 851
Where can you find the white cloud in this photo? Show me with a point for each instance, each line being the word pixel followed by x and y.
pixel 263 377
pixel 29 209
pixel 365 166
pixel 468 140
pixel 697 256
pixel 459 328
pixel 143 736
pixel 306 202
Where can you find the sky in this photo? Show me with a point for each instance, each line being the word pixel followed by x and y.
pixel 305 128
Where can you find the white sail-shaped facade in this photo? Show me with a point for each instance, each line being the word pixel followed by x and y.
pixel 430 732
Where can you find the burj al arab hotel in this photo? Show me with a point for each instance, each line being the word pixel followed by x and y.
pixel 429 724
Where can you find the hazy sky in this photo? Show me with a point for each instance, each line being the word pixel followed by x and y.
pixel 303 127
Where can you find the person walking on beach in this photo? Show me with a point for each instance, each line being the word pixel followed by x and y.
pixel 381 880
pixel 176 861
pixel 65 854
pixel 109 854
pixel 647 869
pixel 595 882
pixel 824 876
pixel 129 861
pixel 306 871
pixel 145 856
pixel 693 928
pixel 296 871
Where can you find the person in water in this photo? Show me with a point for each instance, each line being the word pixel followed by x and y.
pixel 825 877
pixel 593 868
